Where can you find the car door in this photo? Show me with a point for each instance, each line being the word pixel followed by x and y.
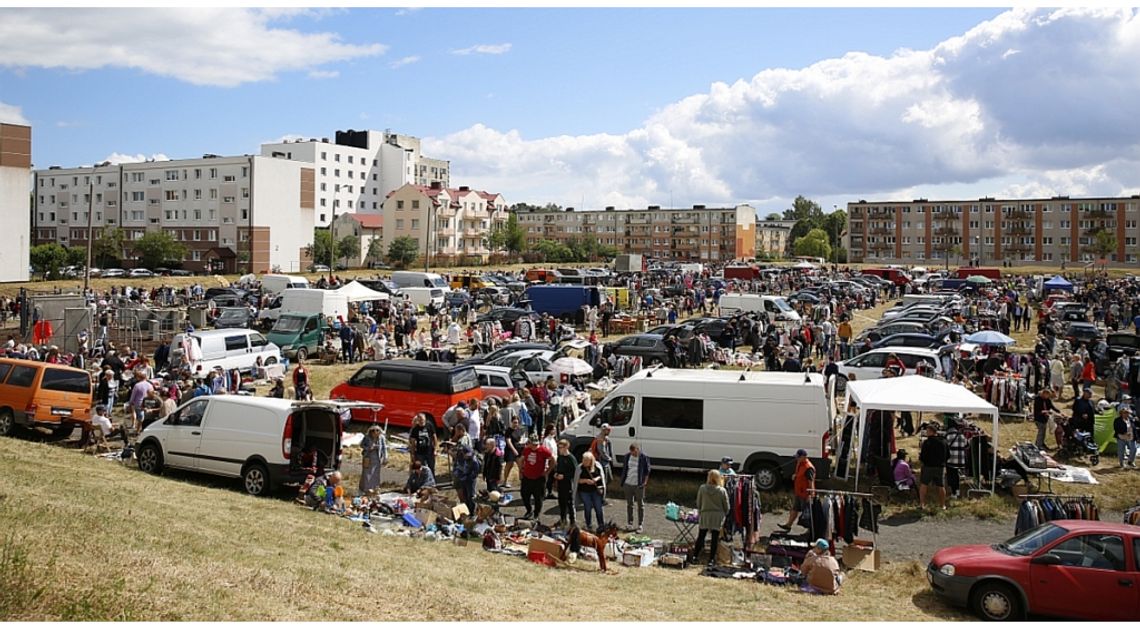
pixel 183 438
pixel 1089 578
pixel 236 350
pixel 869 366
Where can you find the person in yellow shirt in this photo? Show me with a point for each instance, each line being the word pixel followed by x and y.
pixel 844 338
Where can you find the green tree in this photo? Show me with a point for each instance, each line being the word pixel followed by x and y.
pixel 321 249
pixel 774 216
pixel 76 256
pixel 497 240
pixel 814 244
pixel 157 248
pixel 515 236
pixel 835 224
pixel 47 259
pixel 403 250
pixel 803 208
pixel 348 249
pixel 108 247
pixel 1103 243
pixel 375 250
pixel 552 251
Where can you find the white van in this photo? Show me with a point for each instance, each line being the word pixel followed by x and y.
pixel 309 301
pixel 259 439
pixel 422 297
pixel 227 348
pixel 776 307
pixel 416 279
pixel 690 419
pixel 275 284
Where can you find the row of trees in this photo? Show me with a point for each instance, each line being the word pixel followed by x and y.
pixel 815 233
pixel 154 249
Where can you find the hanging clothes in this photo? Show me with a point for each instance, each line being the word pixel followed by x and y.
pixel 744 514
pixel 1038 510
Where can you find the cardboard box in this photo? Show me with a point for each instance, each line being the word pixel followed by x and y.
pixel 545 545
pixel 637 558
pixel 540 558
pixel 862 556
pixel 427 517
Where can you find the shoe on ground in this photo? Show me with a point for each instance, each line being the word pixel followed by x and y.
pixel 639 529
pixel 785 528
pixel 505 485
pixel 550 496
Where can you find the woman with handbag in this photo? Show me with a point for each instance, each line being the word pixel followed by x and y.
pixel 374 453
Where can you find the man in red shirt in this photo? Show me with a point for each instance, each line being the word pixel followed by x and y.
pixel 1088 374
pixel 537 463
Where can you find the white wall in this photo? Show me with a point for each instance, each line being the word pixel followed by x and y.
pixel 15 205
pixel 277 205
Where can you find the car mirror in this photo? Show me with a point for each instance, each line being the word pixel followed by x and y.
pixel 1048 558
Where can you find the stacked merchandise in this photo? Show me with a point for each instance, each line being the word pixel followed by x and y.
pixel 1039 509
pixel 743 509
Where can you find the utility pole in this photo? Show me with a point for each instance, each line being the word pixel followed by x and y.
pixel 87 265
pixel 332 239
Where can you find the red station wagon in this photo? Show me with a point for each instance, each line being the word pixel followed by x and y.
pixel 407 387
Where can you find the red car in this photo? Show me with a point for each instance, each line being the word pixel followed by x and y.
pixel 1078 569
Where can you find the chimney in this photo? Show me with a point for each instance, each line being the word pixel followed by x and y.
pixel 464 188
pixel 437 185
pixel 654 207
pixel 698 206
pixel 609 208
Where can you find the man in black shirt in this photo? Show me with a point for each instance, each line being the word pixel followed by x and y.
pixel 1084 414
pixel 933 457
pixel 1042 408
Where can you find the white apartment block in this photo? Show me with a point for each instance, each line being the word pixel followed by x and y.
pixel 245 213
pixel 993 231
pixel 772 236
pixel 454 222
pixel 686 234
pixel 15 204
pixel 357 171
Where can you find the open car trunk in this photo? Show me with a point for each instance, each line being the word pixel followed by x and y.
pixel 321 425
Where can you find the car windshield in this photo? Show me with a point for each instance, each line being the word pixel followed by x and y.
pixel 1030 541
pixel 289 324
pixel 233 314
pixel 782 305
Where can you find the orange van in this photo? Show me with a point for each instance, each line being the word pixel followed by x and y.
pixel 38 394
pixel 407 387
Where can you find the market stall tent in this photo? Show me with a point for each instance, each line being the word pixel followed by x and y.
pixel 1058 283
pixel 356 291
pixel 917 393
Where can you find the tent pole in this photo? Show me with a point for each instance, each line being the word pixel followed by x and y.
pixel 993 477
pixel 862 424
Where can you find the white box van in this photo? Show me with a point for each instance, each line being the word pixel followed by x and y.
pixel 422 297
pixel 314 301
pixel 416 279
pixel 258 439
pixel 776 307
pixel 690 419
pixel 227 348
pixel 275 284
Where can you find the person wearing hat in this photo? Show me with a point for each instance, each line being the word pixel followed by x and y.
pixel 821 570
pixel 803 485
pixel 103 422
pixel 1125 428
pixel 726 466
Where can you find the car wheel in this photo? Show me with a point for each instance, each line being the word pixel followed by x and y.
pixel 149 458
pixel 255 479
pixel 271 362
pixel 767 476
pixel 1094 460
pixel 995 601
pixel 7 422
pixel 302 353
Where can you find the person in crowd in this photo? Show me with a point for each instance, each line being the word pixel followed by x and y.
pixel 512 447
pixel 1084 415
pixel 1043 410
pixel 803 485
pixel 903 474
pixel 1125 428
pixel 933 456
pixel 277 391
pixel 461 438
pixel 550 442
pixel 603 450
pixel 140 389
pixel 712 506
pixel 493 464
pixel 726 466
pixel 957 447
pixel 591 487
pixel 421 481
pixel 537 463
pixel 634 477
pixel 374 454
pixel 465 469
pixel 103 422
pixel 301 386
pixel 422 441
pixel 565 466
pixel 169 404
pixel 821 570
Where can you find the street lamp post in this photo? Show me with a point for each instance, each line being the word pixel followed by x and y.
pixel 427 239
pixel 87 265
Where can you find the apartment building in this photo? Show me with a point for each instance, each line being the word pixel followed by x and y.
pixel 993 231
pixel 689 234
pixel 772 237
pixel 231 213
pixel 358 169
pixel 15 204
pixel 366 228
pixel 454 223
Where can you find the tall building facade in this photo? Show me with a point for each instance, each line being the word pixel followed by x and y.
pixel 772 237
pixel 358 169
pixel 993 231
pixel 15 204
pixel 453 223
pixel 231 213
pixel 698 233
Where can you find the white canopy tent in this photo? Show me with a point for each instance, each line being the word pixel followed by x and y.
pixel 917 393
pixel 356 291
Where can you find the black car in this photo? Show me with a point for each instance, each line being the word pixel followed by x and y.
pixel 507 315
pixel 806 296
pixel 507 349
pixel 232 318
pixel 650 347
pixel 1080 332
pixel 908 340
pixel 457 298
pixel 1119 344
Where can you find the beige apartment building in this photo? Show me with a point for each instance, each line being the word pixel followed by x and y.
pixel 231 213
pixel 992 231
pixel 686 234
pixel 453 222
pixel 772 236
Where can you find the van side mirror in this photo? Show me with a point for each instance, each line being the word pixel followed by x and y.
pixel 1048 558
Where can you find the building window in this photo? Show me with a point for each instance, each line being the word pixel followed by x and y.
pixel 213 173
pixel 323 204
pixel 324 188
pixel 245 192
pixel 245 170
pixel 245 213
pixel 324 171
pixel 324 156
pixel 172 195
pixel 415 204
pixel 399 223
pixel 197 195
pixel 227 199
pixel 336 172
pixel 322 215
pixel 336 157
pixel 137 196
pixel 399 204
pixel 415 223
pixel 350 159
pixel 171 175
pixel 197 215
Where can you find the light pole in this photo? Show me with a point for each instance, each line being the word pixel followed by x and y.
pixel 87 265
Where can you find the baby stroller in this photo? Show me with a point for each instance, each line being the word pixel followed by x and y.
pixel 1076 443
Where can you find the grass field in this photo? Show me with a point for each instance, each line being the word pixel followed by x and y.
pixel 87 539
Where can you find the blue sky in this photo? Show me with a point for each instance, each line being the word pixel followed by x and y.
pixel 602 106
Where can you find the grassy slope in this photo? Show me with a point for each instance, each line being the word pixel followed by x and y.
pixel 133 547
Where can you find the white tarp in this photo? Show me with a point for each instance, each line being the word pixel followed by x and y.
pixel 355 291
pixel 917 393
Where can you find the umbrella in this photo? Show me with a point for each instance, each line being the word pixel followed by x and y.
pixel 989 337
pixel 978 279
pixel 571 366
pixel 804 265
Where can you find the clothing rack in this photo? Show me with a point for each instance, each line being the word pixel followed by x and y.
pixel 1040 508
pixel 871 503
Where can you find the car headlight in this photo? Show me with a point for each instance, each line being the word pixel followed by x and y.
pixel 946 570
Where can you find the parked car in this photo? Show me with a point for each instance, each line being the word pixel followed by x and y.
pixel 1086 333
pixel 1119 344
pixel 506 349
pixel 651 347
pixel 507 316
pixel 1086 570
pixel 456 298
pixel 232 318
pixel 407 387
pixel 113 272
pixel 140 272
pixel 499 381
pixel 180 272
pixel 533 364
pixel 908 340
pixel 41 395
pixel 870 365
pixel 806 296
pixel 890 328
pixel 318 268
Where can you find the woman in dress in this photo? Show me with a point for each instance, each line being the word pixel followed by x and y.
pixel 374 454
pixel 712 505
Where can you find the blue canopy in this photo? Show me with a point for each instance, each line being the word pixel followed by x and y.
pixel 1058 283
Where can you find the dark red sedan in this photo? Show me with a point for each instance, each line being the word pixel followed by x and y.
pixel 1077 569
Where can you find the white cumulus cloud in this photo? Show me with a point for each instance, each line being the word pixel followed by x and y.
pixel 483 49
pixel 120 158
pixel 204 46
pixel 11 114
pixel 402 61
pixel 1054 116
pixel 323 74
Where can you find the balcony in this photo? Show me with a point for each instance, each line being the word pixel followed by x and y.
pixel 946 231
pixel 473 233
pixel 881 231
pixel 1017 245
pixel 1099 214
pixel 881 246
pixel 1019 228
pixel 445 232
pixel 1019 214
pixel 946 216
